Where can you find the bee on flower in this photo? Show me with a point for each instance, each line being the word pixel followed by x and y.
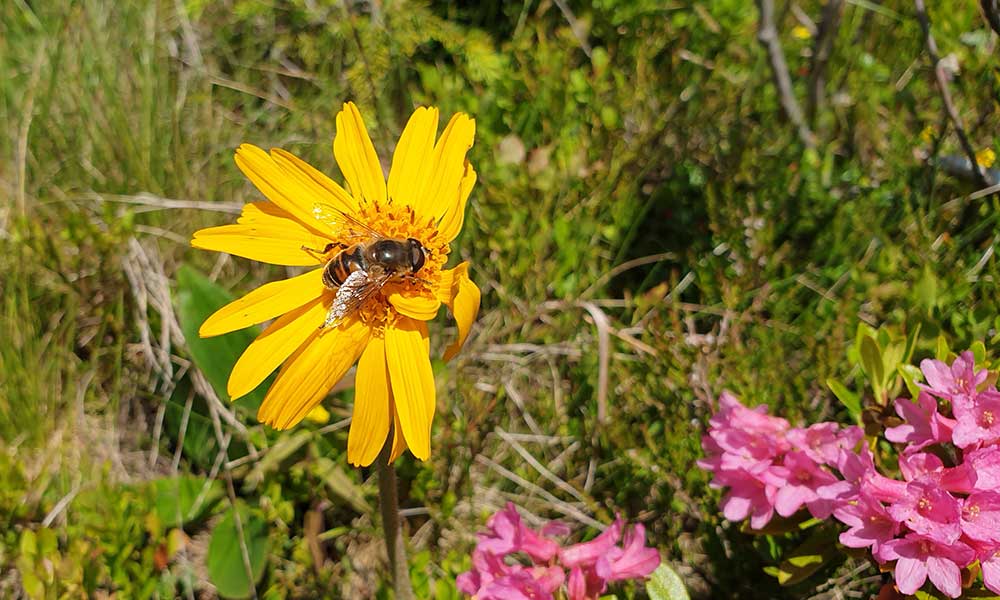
pixel 378 250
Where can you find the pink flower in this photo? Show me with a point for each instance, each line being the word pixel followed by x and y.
pixel 922 423
pixel 980 519
pixel 928 510
pixel 978 420
pixel 747 496
pixel 587 553
pixel 957 383
pixel 800 479
pixel 929 467
pixel 985 464
pixel 860 476
pixel 869 523
pixel 632 561
pixel 733 415
pixel 918 557
pixel 508 534
pixel 989 561
pixel 823 442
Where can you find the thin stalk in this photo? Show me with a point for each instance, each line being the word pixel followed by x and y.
pixel 389 504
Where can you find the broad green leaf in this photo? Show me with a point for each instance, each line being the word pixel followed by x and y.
pixel 666 584
pixel 979 352
pixel 197 298
pixel 911 342
pixel 226 569
pixel 816 551
pixel 849 399
pixel 340 485
pixel 185 499
pixel 911 375
pixel 942 351
pixel 871 362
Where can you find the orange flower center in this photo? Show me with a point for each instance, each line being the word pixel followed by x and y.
pixel 396 221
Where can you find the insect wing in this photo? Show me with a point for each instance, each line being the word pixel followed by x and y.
pixel 352 294
pixel 347 226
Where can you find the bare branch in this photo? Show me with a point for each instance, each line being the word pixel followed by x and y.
pixel 991 10
pixel 767 35
pixel 942 83
pixel 822 49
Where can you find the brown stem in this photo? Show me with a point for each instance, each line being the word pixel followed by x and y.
pixel 389 504
pixel 768 37
pixel 942 84
pixel 822 49
pixel 991 10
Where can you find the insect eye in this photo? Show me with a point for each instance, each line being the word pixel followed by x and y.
pixel 416 255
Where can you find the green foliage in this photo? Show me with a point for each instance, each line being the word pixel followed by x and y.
pixel 658 139
pixel 666 584
pixel 226 561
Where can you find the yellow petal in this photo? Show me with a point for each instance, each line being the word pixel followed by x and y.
pixel 464 304
pixel 273 346
pixel 321 188
pixel 442 184
pixel 451 223
pixel 356 156
pixel 312 370
pixel 318 415
pixel 407 351
pixel 279 186
pixel 412 160
pixel 370 423
pixel 398 441
pixel 422 307
pixel 264 233
pixel 266 302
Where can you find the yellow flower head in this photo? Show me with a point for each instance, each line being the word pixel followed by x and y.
pixel 385 330
pixel 986 157
pixel 801 32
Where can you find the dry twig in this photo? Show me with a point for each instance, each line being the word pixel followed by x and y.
pixel 822 49
pixel 767 35
pixel 941 77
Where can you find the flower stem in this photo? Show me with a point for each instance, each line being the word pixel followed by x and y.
pixel 389 503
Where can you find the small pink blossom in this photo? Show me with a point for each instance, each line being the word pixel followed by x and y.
pixel 980 518
pixel 918 557
pixel 924 465
pixel 928 510
pixel 985 464
pixel 823 442
pixel 633 560
pixel 989 561
pixel 733 415
pixel 978 420
pixel 957 383
pixel 922 424
pixel 800 478
pixel 868 522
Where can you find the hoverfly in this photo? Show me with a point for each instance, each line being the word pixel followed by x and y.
pixel 360 269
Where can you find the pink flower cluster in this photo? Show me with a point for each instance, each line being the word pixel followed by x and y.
pixel 941 515
pixel 495 575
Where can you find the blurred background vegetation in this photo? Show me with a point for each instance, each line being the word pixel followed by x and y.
pixel 648 229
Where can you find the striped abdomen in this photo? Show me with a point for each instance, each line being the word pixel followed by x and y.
pixel 342 265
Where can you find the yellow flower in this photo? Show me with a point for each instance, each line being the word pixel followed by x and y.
pixel 800 32
pixel 428 186
pixel 986 157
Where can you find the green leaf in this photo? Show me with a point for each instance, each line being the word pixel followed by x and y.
pixel 941 351
pixel 849 399
pixel 911 374
pixel 979 351
pixel 666 584
pixel 871 362
pixel 816 551
pixel 225 558
pixel 186 499
pixel 197 298
pixel 340 484
pixel 911 342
